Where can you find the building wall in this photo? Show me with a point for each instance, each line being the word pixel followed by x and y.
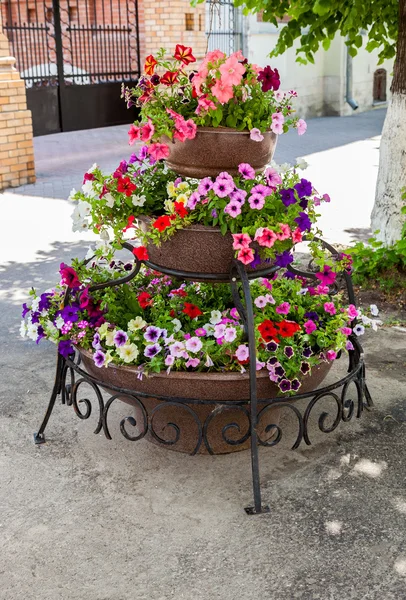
pixel 16 147
pixel 321 87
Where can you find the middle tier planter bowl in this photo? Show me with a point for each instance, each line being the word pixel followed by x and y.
pixel 217 149
pixel 196 249
pixel 211 392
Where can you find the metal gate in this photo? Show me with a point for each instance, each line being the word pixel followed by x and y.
pixel 224 26
pixel 73 56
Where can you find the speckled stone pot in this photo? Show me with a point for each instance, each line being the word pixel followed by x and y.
pixel 195 249
pixel 226 387
pixel 217 149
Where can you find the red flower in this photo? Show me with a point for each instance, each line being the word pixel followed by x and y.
pixel 180 209
pixel 170 77
pixel 144 300
pixel 288 328
pixel 150 63
pixel 191 310
pixel 130 223
pixel 162 223
pixel 184 54
pixel 69 276
pixel 148 91
pixel 126 186
pixel 88 177
pixel 172 314
pixel 179 292
pixel 141 253
pixel 268 330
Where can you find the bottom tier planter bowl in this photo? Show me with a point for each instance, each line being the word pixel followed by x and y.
pixel 219 402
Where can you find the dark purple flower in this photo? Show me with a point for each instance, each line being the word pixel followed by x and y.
pixel 272 347
pixel 70 312
pixel 96 341
pixel 284 259
pixel 128 266
pixel 65 348
pixel 120 338
pixel 133 158
pixel 155 79
pixel 289 351
pixel 288 196
pixel 26 310
pixel 151 351
pixel 303 222
pixel 285 385
pixel 269 78
pixel 44 302
pixel 307 352
pixel 214 213
pixel 304 203
pixel 311 314
pixel 273 360
pixel 41 334
pixel 280 371
pixel 303 188
pixel 289 275
pixel 257 260
pixel 35 317
pixel 305 367
pixel 295 384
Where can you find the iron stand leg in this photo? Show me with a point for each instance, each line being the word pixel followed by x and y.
pixel 258 508
pixel 39 437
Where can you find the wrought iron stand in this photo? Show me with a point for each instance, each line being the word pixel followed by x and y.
pixel 254 409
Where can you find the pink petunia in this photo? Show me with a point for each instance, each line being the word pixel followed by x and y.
pixel 246 171
pixel 133 134
pixel 352 312
pixel 331 355
pixel 326 276
pixel 200 332
pixel 273 178
pixel 232 71
pixel 204 103
pixel 297 236
pixel 262 190
pixel 233 208
pixel 301 126
pixel 283 308
pixel 346 330
pixel 256 201
pixel 265 237
pixel 256 135
pixel 309 326
pixel 246 255
pixel 242 353
pixel 147 131
pixel 194 344
pixel 222 91
pixel 158 151
pixel 234 314
pixel 192 362
pixel 285 232
pixel 241 240
pixel 330 308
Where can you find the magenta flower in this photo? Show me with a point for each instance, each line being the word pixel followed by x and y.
pixel 256 201
pixel 241 240
pixel 223 187
pixel 69 276
pixel 352 312
pixel 326 276
pixel 283 309
pixel 193 200
pixel 238 195
pixel 246 255
pixel 310 326
pixel 301 126
pixel 201 332
pixel 322 289
pixel 246 171
pixel 269 79
pixel 234 314
pixel 205 186
pixel 346 330
pixel 242 353
pixel 331 355
pixel 273 178
pixel 330 308
pixel 233 209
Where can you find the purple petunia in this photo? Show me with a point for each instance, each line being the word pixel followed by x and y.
pixel 246 171
pixel 214 213
pixel 120 338
pixel 303 222
pixel 285 385
pixel 65 348
pixel 70 312
pixel 304 188
pixel 44 302
pixel 223 187
pixel 99 358
pixel 41 334
pixel 307 352
pixel 311 314
pixel 257 260
pixel 280 371
pixel 284 259
pixel 153 350
pixel 288 196
pixel 233 209
pixel 305 367
pixel 152 334
pixel 272 346
pixel 238 195
pixel 289 352
pixel 205 186
pixel 96 341
pixel 295 383
pixel 26 310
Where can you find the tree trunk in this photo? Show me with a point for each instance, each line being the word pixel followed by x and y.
pixel 386 215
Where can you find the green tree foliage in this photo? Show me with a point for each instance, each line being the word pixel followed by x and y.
pixel 316 22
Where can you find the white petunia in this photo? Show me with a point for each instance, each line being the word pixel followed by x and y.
pixel 374 310
pixel 32 331
pixel 35 305
pixel 177 325
pixel 104 235
pixel 136 324
pixel 110 337
pixel 215 317
pixel 109 200
pixel 139 200
pixel 72 193
pixel 89 190
pixel 23 329
pixel 209 328
pixel 301 163
pixel 92 168
pixel 59 322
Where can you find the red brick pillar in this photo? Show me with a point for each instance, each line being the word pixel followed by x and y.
pixel 16 147
pixel 164 24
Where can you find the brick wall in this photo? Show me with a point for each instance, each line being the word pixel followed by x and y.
pixel 16 147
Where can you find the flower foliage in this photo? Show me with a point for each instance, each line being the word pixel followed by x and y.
pixel 158 324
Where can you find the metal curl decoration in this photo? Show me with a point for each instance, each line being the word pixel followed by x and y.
pixel 87 403
pixel 131 420
pixel 235 426
pixel 174 426
pixel 277 428
pixel 324 415
pixel 349 404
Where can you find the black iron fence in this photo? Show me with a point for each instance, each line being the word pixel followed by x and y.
pixel 224 26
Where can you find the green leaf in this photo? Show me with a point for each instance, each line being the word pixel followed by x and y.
pixel 326 43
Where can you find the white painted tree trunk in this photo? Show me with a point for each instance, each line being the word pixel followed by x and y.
pixel 386 215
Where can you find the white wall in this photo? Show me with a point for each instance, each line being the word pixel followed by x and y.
pixel 321 87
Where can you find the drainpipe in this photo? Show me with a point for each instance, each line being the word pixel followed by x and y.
pixel 348 87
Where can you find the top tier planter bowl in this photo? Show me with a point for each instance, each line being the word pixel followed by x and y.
pixel 217 149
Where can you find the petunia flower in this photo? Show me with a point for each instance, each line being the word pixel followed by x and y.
pixel 231 71
pixel 309 326
pixel 184 54
pixel 256 201
pixel 152 350
pixel 238 195
pixel 147 131
pixel 233 208
pixel 193 344
pixel 205 186
pixel 246 171
pixel 256 135
pixel 150 64
pixel 285 232
pixel 330 308
pixel 242 353
pixel 301 126
pixel 326 276
pixel 158 151
pixel 269 79
pixel 222 187
pixel 303 222
pixel 288 196
pixel 222 91
pixel 134 134
pixel 241 240
pixel 283 308
pixel 246 255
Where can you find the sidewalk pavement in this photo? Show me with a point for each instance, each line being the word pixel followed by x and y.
pixel 83 518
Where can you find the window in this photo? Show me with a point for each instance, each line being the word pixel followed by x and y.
pixel 189 21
